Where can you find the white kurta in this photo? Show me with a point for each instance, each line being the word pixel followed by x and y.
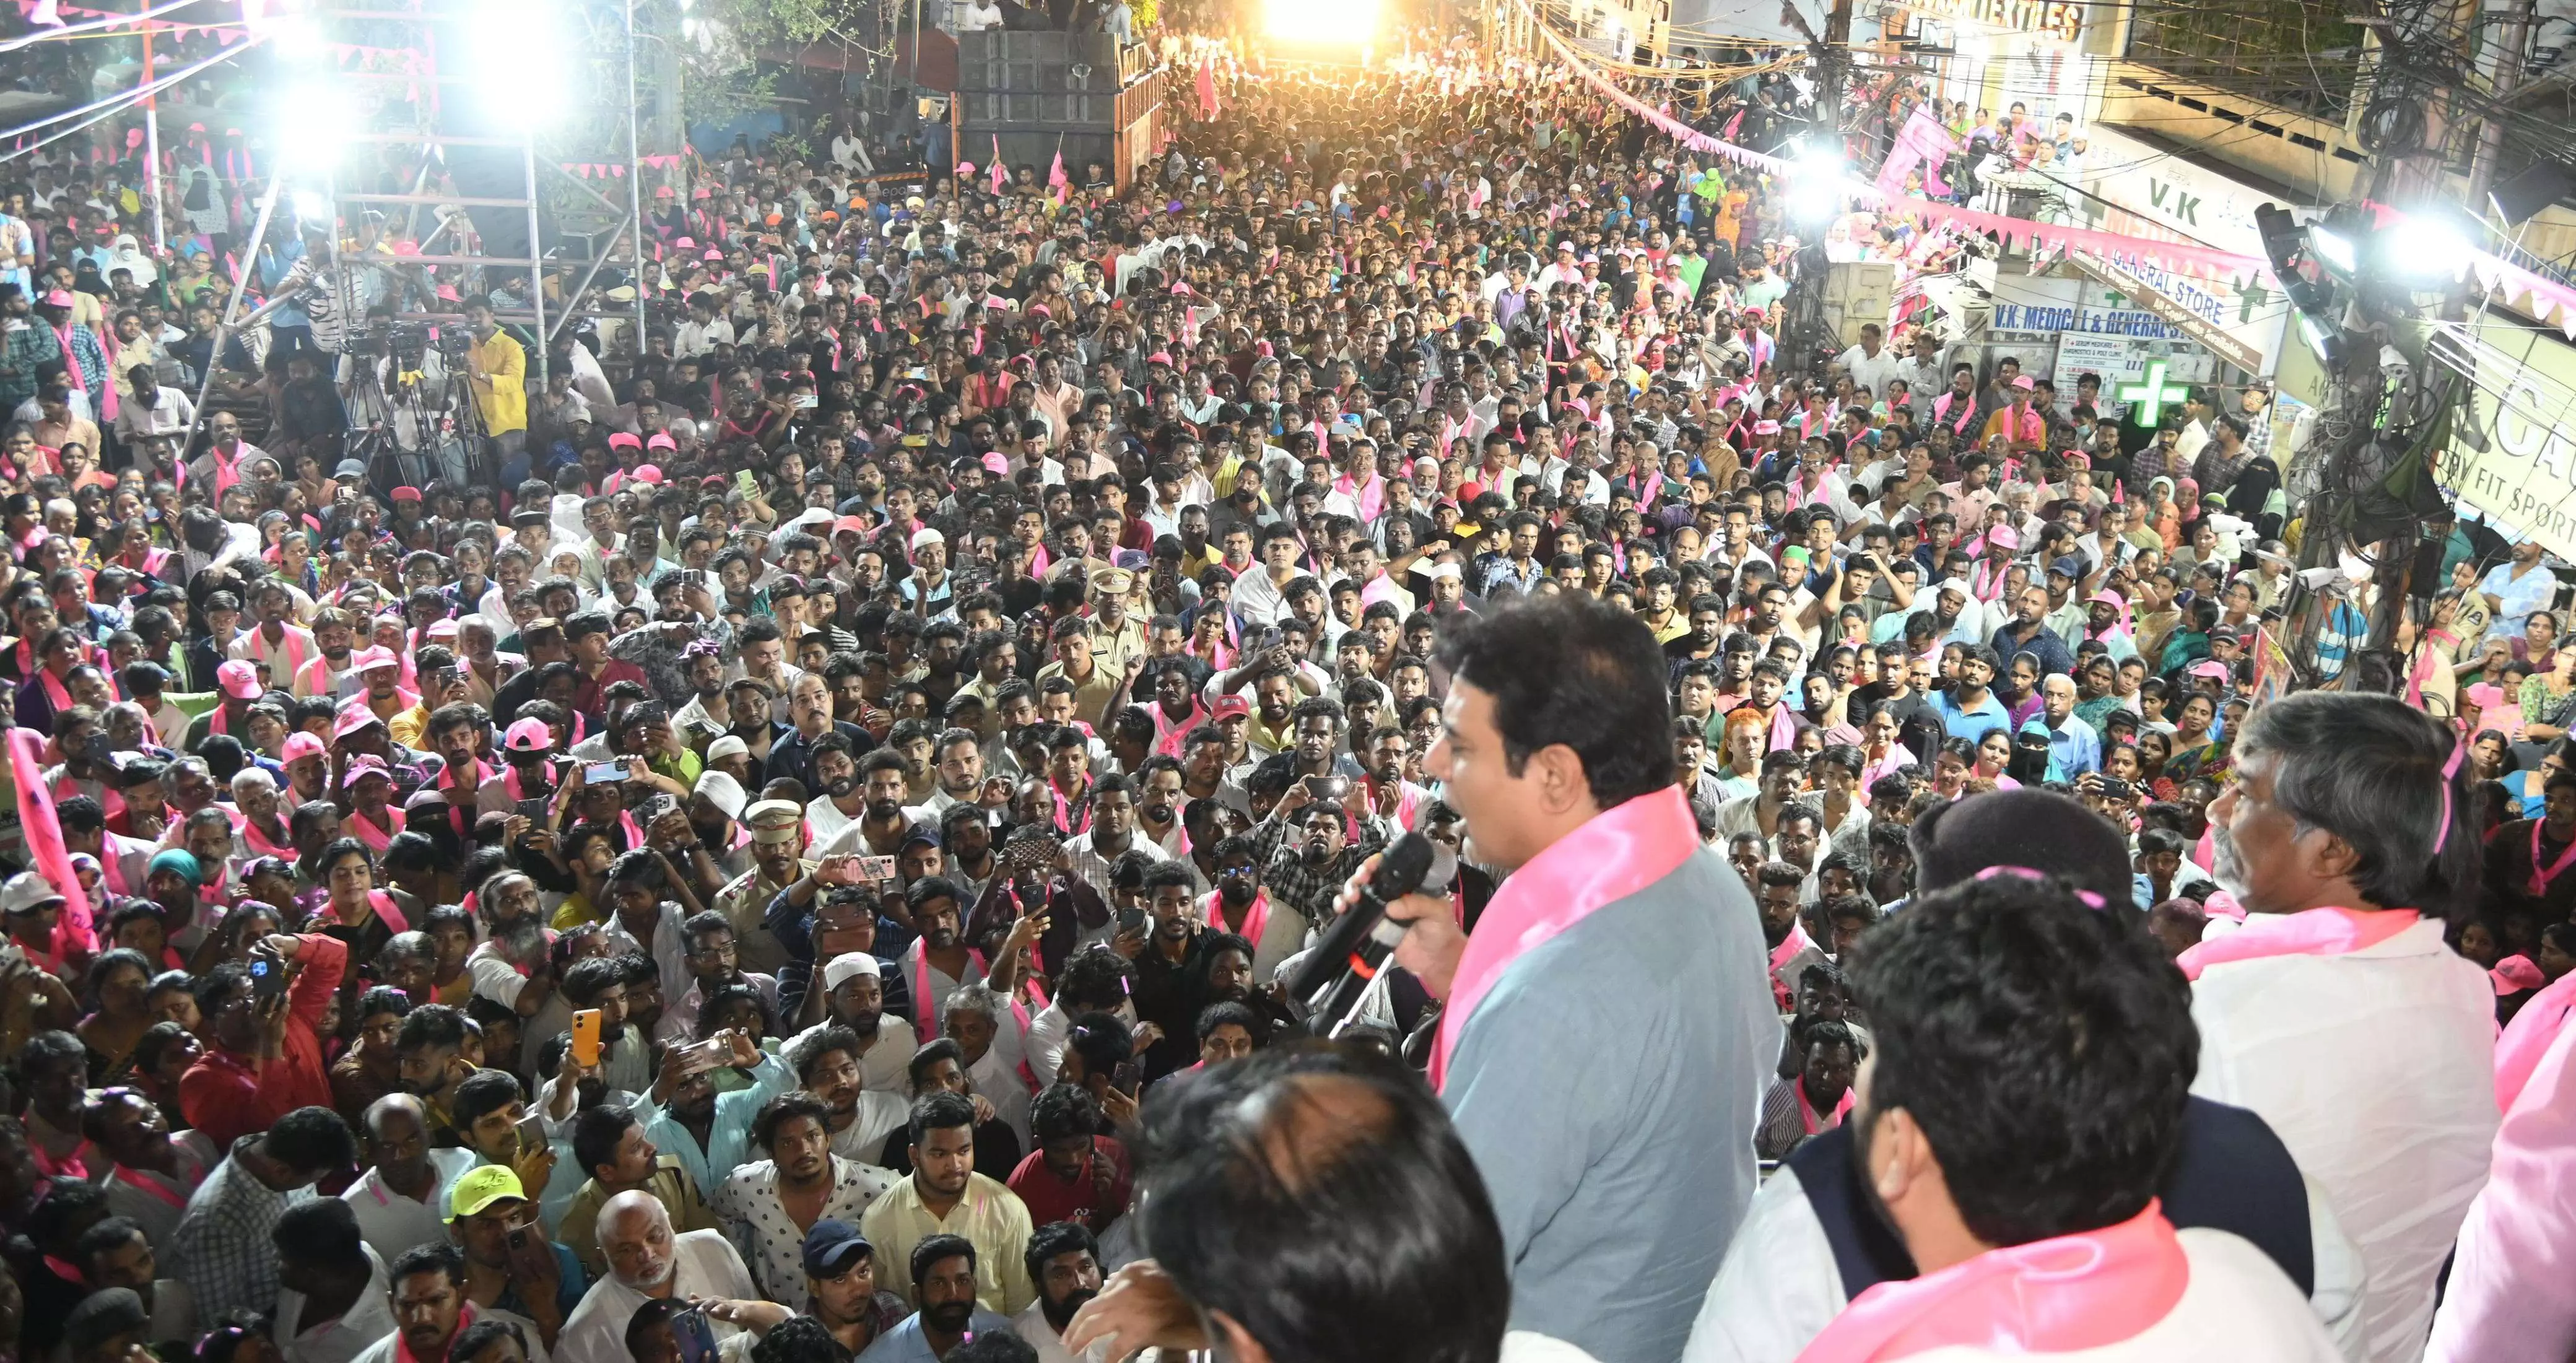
pixel 2375 1069
pixel 708 1266
pixel 2239 1308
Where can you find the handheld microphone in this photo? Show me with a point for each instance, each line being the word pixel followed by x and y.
pixel 1358 943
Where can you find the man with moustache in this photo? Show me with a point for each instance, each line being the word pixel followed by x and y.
pixel 1064 1262
pixel 943 1273
pixel 431 1309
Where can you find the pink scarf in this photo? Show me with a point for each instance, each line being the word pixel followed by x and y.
pixel 376 838
pixel 1807 1110
pixel 1616 853
pixel 1256 915
pixel 2313 932
pixel 2527 1039
pixel 2061 1295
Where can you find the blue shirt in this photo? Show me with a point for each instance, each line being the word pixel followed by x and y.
pixel 1612 1225
pixel 1973 723
pixel 729 1140
pixel 904 1344
pixel 2074 749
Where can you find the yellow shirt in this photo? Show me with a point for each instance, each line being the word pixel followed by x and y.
pixel 990 1216
pixel 502 398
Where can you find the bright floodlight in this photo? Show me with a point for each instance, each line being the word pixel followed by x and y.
pixel 312 124
pixel 2424 247
pixel 1816 184
pixel 2331 248
pixel 1351 22
pixel 517 61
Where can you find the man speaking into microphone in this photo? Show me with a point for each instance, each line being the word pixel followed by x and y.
pixel 1608 1029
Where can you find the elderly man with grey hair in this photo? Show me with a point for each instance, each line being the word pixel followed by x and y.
pixel 262 830
pixel 979 1019
pixel 648 1261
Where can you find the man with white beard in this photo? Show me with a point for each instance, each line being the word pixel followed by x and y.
pixel 646 1261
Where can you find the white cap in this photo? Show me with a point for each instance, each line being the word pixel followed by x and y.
pixel 727 745
pixel 843 967
pixel 1438 571
pixel 26 892
pixel 723 791
pixel 927 535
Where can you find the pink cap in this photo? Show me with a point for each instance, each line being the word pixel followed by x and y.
pixel 849 525
pixel 59 298
pixel 997 463
pixel 1766 428
pixel 370 658
pixel 301 745
pixel 2004 535
pixel 714 254
pixel 648 473
pixel 2024 382
pixel 528 735
pixel 362 766
pixel 352 718
pixel 661 441
pixel 623 440
pixel 442 629
pixel 2210 667
pixel 2109 598
pixel 2515 974
pixel 406 494
pixel 239 680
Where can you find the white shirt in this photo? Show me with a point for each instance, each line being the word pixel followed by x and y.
pixel 1871 372
pixel 1778 1287
pixel 341 1340
pixel 883 1068
pixel 705 1265
pixel 391 1222
pixel 2376 1070
pixel 1032 1325
pixel 748 1199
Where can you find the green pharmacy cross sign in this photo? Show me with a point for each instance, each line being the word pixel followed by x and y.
pixel 2151 396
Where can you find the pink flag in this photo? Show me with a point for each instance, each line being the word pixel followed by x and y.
pixel 1922 142
pixel 1207 87
pixel 45 14
pixel 1001 177
pixel 1057 181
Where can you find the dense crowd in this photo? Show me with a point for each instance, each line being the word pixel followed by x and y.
pixel 735 864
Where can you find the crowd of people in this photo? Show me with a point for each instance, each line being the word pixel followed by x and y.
pixel 781 858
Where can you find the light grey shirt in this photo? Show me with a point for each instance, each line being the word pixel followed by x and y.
pixel 1608 1086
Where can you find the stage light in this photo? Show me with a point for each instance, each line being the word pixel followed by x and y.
pixel 1349 23
pixel 2424 247
pixel 1817 184
pixel 311 123
pixel 2336 252
pixel 517 63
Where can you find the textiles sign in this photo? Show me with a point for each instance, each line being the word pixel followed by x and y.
pixel 2048 18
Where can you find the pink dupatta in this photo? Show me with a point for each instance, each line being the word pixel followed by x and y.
pixel 2061 1295
pixel 2313 932
pixel 1614 854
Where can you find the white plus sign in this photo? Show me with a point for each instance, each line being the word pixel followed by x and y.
pixel 2152 395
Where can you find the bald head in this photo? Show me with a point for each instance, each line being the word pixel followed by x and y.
pixel 635 1237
